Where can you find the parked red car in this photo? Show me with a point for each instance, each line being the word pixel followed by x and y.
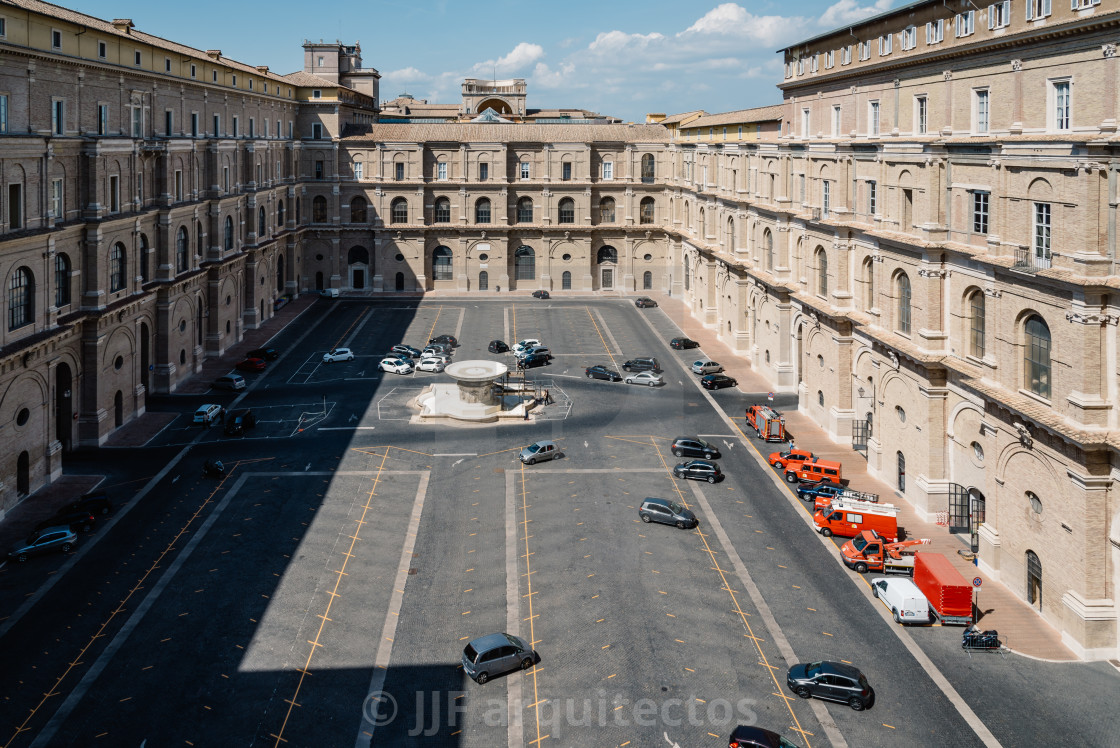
pixel 251 364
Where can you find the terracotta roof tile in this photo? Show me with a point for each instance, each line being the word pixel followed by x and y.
pixel 757 114
pixel 673 119
pixel 516 133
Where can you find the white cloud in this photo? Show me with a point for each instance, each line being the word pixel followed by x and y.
pixel 405 75
pixel 545 77
pixel 732 20
pixel 616 41
pixel 518 60
pixel 849 11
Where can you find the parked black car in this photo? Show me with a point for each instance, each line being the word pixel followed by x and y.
pixel 541 295
pixel 694 446
pixel 717 381
pixel 667 512
pixel 748 736
pixel 78 520
pixel 407 350
pixel 698 470
pixel 95 502
pixel 240 421
pixel 642 364
pixel 601 372
pixel 644 302
pixel 268 354
pixel 449 339
pixel 681 344
pixel 833 681
pixel 497 346
pixel 533 361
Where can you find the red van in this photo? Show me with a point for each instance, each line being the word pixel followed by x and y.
pixel 847 519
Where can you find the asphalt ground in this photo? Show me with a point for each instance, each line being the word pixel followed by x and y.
pixel 322 592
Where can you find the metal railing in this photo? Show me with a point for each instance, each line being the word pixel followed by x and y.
pixel 1030 260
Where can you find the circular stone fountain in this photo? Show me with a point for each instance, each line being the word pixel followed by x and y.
pixel 474 396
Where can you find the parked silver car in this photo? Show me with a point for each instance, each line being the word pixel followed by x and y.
pixel 495 654
pixel 706 367
pixel 539 452
pixel 647 378
pixel 58 538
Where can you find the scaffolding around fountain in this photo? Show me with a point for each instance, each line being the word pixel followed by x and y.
pixel 483 392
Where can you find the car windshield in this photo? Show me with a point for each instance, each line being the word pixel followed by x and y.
pixel 812 669
pixel 470 653
pixel 859 543
pixel 676 508
pixel 703 443
pixel 535 447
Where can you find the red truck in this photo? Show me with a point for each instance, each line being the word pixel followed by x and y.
pixel 949 594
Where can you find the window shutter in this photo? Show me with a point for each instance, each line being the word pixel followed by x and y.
pixel 991 16
pixel 1006 12
pixel 960 22
pixel 1030 10
pixel 929 32
pixel 1045 7
pixel 1073 4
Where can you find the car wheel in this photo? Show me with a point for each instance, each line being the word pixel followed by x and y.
pixel 532 460
pixel 874 591
pixel 676 453
pixel 645 518
pixel 894 611
pixel 627 368
pixel 791 477
pixel 527 663
pixel 481 678
pixel 21 557
pixel 66 547
pixel 680 524
pixel 711 479
pixel 803 692
pixel 589 375
pixel 757 434
pixel 653 384
pixel 826 532
pixel 860 567
pixel 778 464
pixel 856 703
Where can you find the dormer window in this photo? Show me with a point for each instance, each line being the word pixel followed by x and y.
pixel 316 94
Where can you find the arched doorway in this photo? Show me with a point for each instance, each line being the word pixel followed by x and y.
pixel 319 281
pixel 483 281
pixel 118 409
pixel 358 261
pixel 145 357
pixel 63 404
pixel 399 285
pixel 606 259
pixel 524 265
pixel 1034 580
pixel 498 105
pixel 901 476
pixel 647 281
pixel 23 474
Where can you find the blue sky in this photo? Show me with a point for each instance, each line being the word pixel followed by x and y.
pixel 620 58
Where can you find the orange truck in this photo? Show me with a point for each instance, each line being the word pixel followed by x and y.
pixel 870 552
pixel 768 425
pixel 847 518
pixel 810 471
pixel 948 592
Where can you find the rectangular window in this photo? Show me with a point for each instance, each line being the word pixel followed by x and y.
pixel 1037 9
pixel 966 23
pixel 194 70
pixel 3 27
pixel 399 171
pixel 873 118
pixel 524 170
pixel 981 111
pixel 441 170
pixel 801 66
pixel 814 62
pixel 846 55
pixel 236 126
pixel 217 125
pixel 1041 239
pixel 140 185
pixel 252 127
pixel 935 31
pixel 319 169
pixel 15 206
pixel 56 39
pixel 233 80
pixel 114 194
pixel 999 14
pixel 608 166
pixel 566 171
pixel 829 59
pixel 58 116
pixel 137 122
pixel 57 208
pixel 358 170
pixel 872 206
pixel 225 178
pixel 102 50
pixel 291 130
pixel 980 212
pixel 804 123
pixel 102 119
pixel 136 58
pixel 865 50
pixel 316 94
pixel 826 197
pixel 1081 4
pixel 265 132
pixel 909 37
pixel 740 132
pixel 3 113
pixel 194 124
pixel 886 42
pixel 1060 107
pixel 167 64
pixel 250 84
pixel 214 76
pixel 921 104
pixel 169 123
pixel 483 172
pixel 836 121
pixel 179 185
pixel 317 131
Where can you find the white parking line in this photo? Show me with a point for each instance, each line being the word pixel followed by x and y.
pixel 515 731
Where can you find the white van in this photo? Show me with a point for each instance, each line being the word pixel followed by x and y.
pixel 329 293
pixel 902 598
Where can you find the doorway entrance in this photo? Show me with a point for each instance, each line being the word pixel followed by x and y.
pixel 607 279
pixel 1034 580
pixel 23 474
pixel 483 280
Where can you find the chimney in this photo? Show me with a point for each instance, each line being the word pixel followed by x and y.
pixel 262 69
pixel 213 54
pixel 123 24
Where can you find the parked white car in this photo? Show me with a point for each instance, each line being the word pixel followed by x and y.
pixel 902 598
pixel 706 367
pixel 395 365
pixel 522 346
pixel 338 354
pixel 207 413
pixel 445 358
pixel 647 378
pixel 431 364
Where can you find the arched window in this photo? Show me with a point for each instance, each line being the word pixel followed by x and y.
pixel 647 168
pixel 398 211
pixel 280 215
pixel 566 281
pixel 182 250
pixel 768 248
pixel 647 280
pixel 976 324
pixel 1037 357
pixel 262 225
pixel 117 265
pixel 358 255
pixel 441 264
pixel 646 210
pixel 442 213
pixel 525 263
pixel 61 279
pixel 199 239
pixel 525 210
pixel 482 211
pixel 686 274
pixel 358 210
pixel 606 210
pixel 21 298
pixel 731 234
pixel 229 234
pixel 319 209
pixel 1034 580
pixel 869 283
pixel 822 272
pixel 567 209
pixel 702 224
pixel 607 254
pixel 145 259
pixel 902 290
pixel 901 475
